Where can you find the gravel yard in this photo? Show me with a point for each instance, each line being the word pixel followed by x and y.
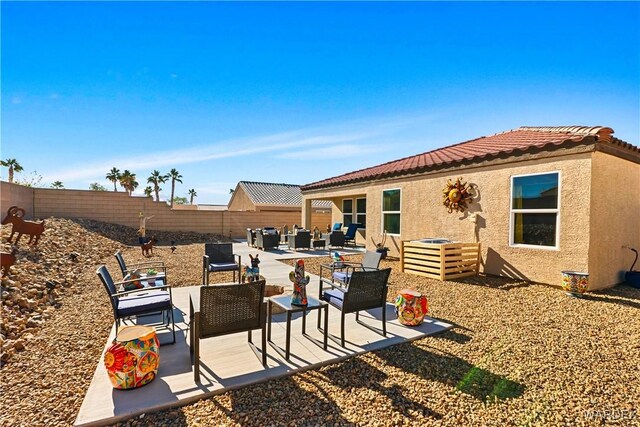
pixel 520 354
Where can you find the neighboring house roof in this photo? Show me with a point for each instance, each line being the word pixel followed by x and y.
pixel 269 194
pixel 509 143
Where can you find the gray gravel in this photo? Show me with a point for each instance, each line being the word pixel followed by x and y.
pixel 521 354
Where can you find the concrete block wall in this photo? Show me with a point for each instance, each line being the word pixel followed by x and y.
pixel 16 195
pixel 119 208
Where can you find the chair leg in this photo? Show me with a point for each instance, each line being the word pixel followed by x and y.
pixel 250 337
pixel 342 330
pixel 384 320
pixel 173 324
pixel 264 345
pixel 196 363
pixel 357 316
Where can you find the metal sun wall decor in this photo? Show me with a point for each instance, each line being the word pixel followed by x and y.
pixel 457 195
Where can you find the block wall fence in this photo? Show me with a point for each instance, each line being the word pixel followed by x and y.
pixel 119 208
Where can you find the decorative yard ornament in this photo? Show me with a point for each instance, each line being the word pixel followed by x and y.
pixel 7 260
pixel 316 233
pixel 251 274
pixel 300 282
pixel 20 226
pixel 457 195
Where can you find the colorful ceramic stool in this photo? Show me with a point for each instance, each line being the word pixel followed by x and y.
pixel 133 358
pixel 411 307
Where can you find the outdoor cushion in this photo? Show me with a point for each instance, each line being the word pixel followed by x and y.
pixel 334 297
pixel 147 301
pixel 337 226
pixel 222 266
pixel 341 276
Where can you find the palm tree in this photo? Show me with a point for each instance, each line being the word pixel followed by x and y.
pixel 192 194
pixel 175 176
pixel 148 191
pixel 114 176
pixel 13 166
pixel 128 181
pixel 57 184
pixel 156 179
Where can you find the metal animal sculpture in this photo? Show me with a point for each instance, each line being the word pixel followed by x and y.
pixel 20 226
pixel 300 282
pixel 7 260
pixel 147 248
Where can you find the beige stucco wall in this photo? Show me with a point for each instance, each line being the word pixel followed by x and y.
pixel 240 201
pixel 615 218
pixel 16 195
pixel 423 214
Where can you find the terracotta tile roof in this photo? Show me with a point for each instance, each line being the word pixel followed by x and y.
pixel 266 193
pixel 511 142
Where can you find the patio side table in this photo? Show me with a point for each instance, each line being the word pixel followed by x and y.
pixel 284 301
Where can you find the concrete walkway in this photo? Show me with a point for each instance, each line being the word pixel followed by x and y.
pixel 228 362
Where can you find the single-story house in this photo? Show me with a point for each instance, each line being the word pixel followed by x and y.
pixel 266 196
pixel 544 199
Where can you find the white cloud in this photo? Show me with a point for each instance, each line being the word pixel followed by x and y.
pixel 335 141
pixel 332 152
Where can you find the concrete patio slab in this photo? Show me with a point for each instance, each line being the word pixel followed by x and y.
pixel 228 362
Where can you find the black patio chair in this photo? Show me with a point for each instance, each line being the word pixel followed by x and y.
pixel 366 290
pixel 138 302
pixel 145 265
pixel 267 238
pixel 336 239
pixel 300 240
pixel 228 309
pixel 220 257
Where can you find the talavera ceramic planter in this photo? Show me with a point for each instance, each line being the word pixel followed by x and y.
pixel 575 283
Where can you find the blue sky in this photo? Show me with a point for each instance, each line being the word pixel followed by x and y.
pixel 298 92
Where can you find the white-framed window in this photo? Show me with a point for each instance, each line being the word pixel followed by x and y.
pixel 347 212
pixel 391 211
pixel 535 210
pixel 361 211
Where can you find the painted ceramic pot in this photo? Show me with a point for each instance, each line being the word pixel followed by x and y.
pixel 133 358
pixel 575 283
pixel 411 307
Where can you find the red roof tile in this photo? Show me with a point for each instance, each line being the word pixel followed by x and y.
pixel 510 142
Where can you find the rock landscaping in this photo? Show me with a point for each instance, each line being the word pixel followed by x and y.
pixel 520 354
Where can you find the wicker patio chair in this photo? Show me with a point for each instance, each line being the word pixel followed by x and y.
pixel 126 269
pixel 336 239
pixel 220 257
pixel 267 239
pixel 138 302
pixel 228 309
pixel 367 290
pixel 251 238
pixel 300 240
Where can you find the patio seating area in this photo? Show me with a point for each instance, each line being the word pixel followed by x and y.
pixel 228 362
